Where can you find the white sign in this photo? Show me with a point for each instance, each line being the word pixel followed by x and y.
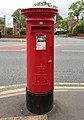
pixel 8 21
pixel 41 42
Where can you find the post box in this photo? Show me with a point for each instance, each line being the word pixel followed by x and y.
pixel 40 58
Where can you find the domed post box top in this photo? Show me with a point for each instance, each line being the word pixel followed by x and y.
pixel 40 13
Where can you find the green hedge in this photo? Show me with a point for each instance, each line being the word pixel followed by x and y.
pixel 23 31
pixel 9 31
pixel 78 28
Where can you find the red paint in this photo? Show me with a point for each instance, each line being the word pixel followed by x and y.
pixel 40 55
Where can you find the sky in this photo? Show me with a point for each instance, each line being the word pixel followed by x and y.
pixel 9 6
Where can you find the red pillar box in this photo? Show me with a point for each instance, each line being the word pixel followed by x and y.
pixel 40 58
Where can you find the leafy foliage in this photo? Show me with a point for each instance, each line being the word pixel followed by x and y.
pixel 78 28
pixel 1 21
pixel 23 31
pixel 76 9
pixel 19 19
pixel 58 18
pixel 9 31
pixel 64 24
pixel 45 3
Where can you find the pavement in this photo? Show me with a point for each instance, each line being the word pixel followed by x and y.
pixel 68 105
pixel 12 39
pixel 24 39
pixel 76 37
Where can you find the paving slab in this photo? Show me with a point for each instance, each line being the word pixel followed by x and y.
pixel 68 105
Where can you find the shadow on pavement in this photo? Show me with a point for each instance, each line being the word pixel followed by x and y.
pixel 68 105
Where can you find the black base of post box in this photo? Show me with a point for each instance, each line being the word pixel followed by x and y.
pixel 39 103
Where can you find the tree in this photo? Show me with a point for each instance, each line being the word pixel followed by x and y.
pixel 78 28
pixel 58 18
pixel 71 16
pixel 76 9
pixel 82 15
pixel 19 19
pixel 64 24
pixel 1 21
pixel 45 3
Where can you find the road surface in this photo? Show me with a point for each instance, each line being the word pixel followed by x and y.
pixel 68 56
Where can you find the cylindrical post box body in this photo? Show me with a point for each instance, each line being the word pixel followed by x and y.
pixel 40 58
